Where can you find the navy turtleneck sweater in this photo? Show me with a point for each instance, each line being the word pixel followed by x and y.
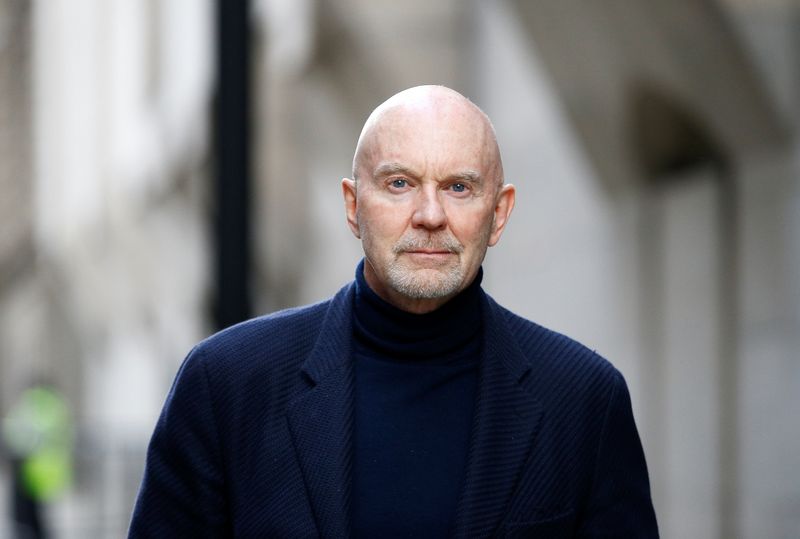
pixel 416 378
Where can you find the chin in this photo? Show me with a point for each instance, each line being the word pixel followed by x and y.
pixel 427 283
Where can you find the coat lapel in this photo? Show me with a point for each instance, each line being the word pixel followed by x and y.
pixel 321 423
pixel 506 418
pixel 321 420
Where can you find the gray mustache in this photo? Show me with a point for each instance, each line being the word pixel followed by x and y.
pixel 443 243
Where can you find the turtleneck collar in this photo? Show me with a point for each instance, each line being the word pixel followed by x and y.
pixel 400 335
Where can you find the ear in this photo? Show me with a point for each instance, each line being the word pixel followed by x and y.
pixel 502 211
pixel 350 205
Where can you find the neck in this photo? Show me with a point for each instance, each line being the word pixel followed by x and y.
pixel 397 333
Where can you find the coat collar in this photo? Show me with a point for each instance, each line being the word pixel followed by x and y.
pixel 321 423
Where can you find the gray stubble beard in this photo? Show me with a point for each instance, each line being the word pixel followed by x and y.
pixel 412 284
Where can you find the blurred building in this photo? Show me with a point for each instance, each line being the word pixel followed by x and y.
pixel 655 150
pixel 103 264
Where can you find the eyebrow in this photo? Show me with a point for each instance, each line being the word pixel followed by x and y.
pixel 469 176
pixel 389 169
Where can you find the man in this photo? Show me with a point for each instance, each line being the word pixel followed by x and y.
pixel 410 404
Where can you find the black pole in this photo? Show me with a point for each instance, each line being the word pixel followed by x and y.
pixel 728 381
pixel 231 301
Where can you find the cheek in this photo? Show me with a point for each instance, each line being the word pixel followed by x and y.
pixel 383 220
pixel 471 229
pixel 377 226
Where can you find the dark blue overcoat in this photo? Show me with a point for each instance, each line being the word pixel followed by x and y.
pixel 255 436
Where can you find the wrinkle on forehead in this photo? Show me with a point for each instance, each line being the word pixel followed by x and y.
pixel 428 103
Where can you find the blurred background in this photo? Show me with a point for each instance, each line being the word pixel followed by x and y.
pixel 169 168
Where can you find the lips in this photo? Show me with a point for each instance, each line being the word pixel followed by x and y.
pixel 428 258
pixel 429 252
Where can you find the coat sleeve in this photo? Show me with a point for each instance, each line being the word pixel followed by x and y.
pixel 620 503
pixel 182 492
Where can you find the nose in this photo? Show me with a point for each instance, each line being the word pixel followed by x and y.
pixel 429 212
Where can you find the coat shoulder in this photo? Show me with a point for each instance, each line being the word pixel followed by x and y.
pixel 558 361
pixel 274 332
pixel 269 347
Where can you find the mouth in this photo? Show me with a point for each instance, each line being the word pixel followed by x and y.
pixel 429 257
pixel 430 252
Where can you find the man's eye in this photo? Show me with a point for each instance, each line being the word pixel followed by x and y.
pixel 458 187
pixel 399 183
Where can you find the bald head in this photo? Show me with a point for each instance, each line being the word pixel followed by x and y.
pixel 429 199
pixel 428 112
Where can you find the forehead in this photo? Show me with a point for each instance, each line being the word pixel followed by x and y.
pixel 439 137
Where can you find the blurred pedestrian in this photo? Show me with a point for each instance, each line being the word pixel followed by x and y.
pixel 38 436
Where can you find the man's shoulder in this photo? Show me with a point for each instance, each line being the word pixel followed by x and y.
pixel 275 329
pixel 556 359
pixel 279 341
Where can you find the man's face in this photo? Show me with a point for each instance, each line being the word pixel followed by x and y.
pixel 428 202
